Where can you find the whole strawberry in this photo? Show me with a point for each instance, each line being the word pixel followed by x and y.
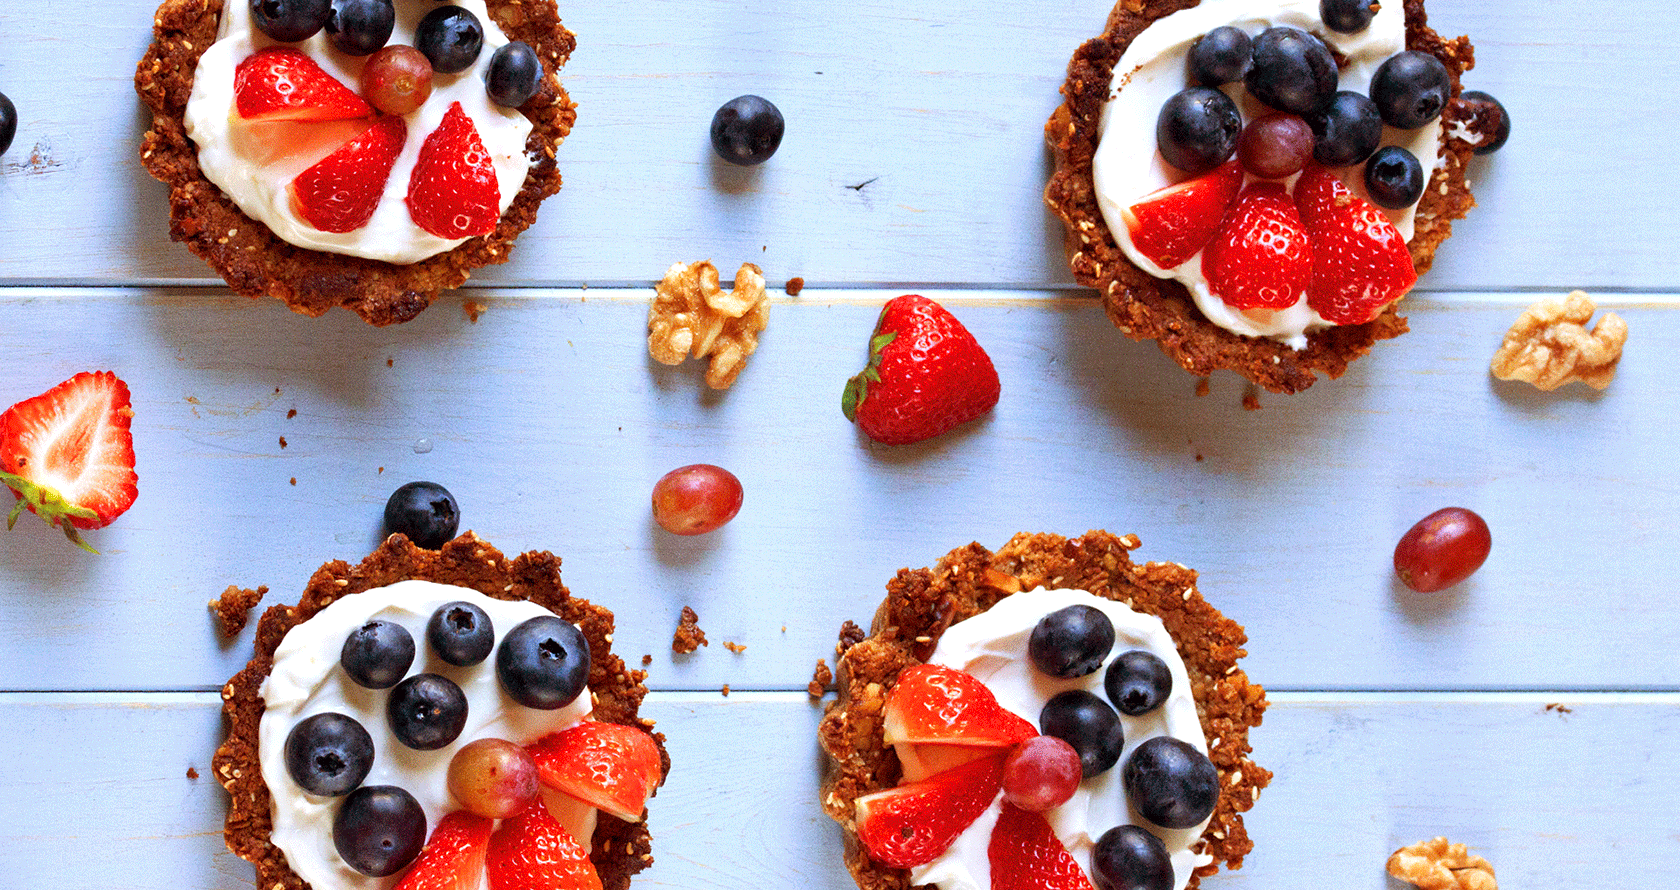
pixel 926 375
pixel 68 455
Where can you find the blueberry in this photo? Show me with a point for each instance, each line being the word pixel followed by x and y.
pixel 747 130
pixel 1410 89
pixel 1170 783
pixel 426 711
pixel 1127 857
pixel 1220 56
pixel 377 654
pixel 360 27
pixel 8 123
pixel 1089 725
pixel 515 73
pixel 425 512
pixel 461 634
pixel 290 21
pixel 1486 113
pixel 1293 71
pixel 1137 682
pixel 1394 177
pixel 379 830
pixel 1347 131
pixel 543 663
pixel 1071 642
pixel 451 38
pixel 328 754
pixel 1346 16
pixel 1198 129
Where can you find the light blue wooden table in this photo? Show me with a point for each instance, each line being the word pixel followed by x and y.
pixel 913 161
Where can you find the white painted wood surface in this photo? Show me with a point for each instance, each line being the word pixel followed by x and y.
pixel 1397 716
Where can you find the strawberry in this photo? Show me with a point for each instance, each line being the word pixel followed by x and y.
pixel 919 761
pixel 1169 225
pixel 452 192
pixel 1025 855
pixel 1259 257
pixel 341 191
pixel 532 851
pixel 931 703
pixel 1360 262
pixel 453 858
pixel 926 375
pixel 68 454
pixel 911 824
pixel 280 83
pixel 607 765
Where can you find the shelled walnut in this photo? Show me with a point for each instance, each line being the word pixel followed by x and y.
pixel 1439 865
pixel 1550 345
pixel 692 315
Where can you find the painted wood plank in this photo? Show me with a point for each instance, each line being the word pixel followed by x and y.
pixel 937 105
pixel 550 423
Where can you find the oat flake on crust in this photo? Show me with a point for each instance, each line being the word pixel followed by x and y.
pixel 922 603
pixel 1144 307
pixel 253 260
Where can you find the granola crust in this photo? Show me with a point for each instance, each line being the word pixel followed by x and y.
pixel 1144 307
pixel 253 260
pixel 619 849
pixel 922 603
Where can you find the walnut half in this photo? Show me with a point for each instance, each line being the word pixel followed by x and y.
pixel 692 315
pixel 1439 865
pixel 1550 345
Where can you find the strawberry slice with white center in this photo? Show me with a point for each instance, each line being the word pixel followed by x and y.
pixel 453 858
pixel 453 192
pixel 1169 225
pixel 1360 261
pixel 68 454
pixel 931 703
pixel 532 851
pixel 606 765
pixel 912 824
pixel 342 190
pixel 280 83
pixel 1260 256
pixel 1025 855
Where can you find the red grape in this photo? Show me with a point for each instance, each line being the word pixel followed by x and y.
pixel 397 79
pixel 1275 146
pixel 1443 549
pixel 1042 772
pixel 493 778
pixel 696 499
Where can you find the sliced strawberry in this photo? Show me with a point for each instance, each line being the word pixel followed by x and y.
pixel 342 190
pixel 68 454
pixel 607 765
pixel 1259 257
pixel 1171 224
pixel 1360 262
pixel 921 761
pixel 1025 855
pixel 280 83
pixel 911 824
pixel 453 858
pixel 941 704
pixel 532 851
pixel 453 191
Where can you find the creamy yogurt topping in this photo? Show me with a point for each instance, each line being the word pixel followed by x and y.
pixel 1127 165
pixel 307 680
pixel 243 159
pixel 992 646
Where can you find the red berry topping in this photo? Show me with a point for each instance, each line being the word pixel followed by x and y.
pixel 533 851
pixel 1259 257
pixel 931 703
pixel 926 375
pixel 1025 855
pixel 453 859
pixel 1041 773
pixel 1359 261
pixel 1169 225
pixel 280 83
pixel 68 454
pixel 342 190
pixel 453 192
pixel 607 765
pixel 912 824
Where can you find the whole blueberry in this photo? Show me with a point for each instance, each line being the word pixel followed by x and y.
pixel 424 511
pixel 1071 642
pixel 377 654
pixel 461 634
pixel 1485 113
pixel 1410 89
pixel 747 130
pixel 1394 177
pixel 1293 71
pixel 8 123
pixel 1089 725
pixel 1346 16
pixel 379 830
pixel 1137 682
pixel 451 37
pixel 360 27
pixel 426 711
pixel 1127 857
pixel 1220 56
pixel 1346 131
pixel 1170 783
pixel 328 754
pixel 514 76
pixel 290 21
pixel 1197 129
pixel 543 663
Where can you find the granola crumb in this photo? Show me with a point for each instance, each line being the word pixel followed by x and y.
pixel 474 309
pixel 726 690
pixel 192 773
pixel 291 414
pixel 794 286
pixel 233 608
pixel 736 648
pixel 1251 398
pixel 689 636
pixel 1202 387
pixel 647 660
pixel 282 441
pixel 821 679
pixel 294 480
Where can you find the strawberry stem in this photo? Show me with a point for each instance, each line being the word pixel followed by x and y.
pixel 858 386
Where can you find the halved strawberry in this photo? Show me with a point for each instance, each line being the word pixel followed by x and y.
pixel 1171 224
pixel 532 851
pixel 452 192
pixel 911 824
pixel 1025 855
pixel 940 704
pixel 607 765
pixel 279 83
pixel 921 761
pixel 453 859
pixel 68 455
pixel 1360 262
pixel 342 190
pixel 1259 257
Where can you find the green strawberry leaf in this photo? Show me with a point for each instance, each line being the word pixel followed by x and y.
pixel 49 505
pixel 858 386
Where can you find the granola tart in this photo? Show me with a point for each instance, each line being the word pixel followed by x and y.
pixel 922 604
pixel 1144 307
pixel 618 848
pixel 253 259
